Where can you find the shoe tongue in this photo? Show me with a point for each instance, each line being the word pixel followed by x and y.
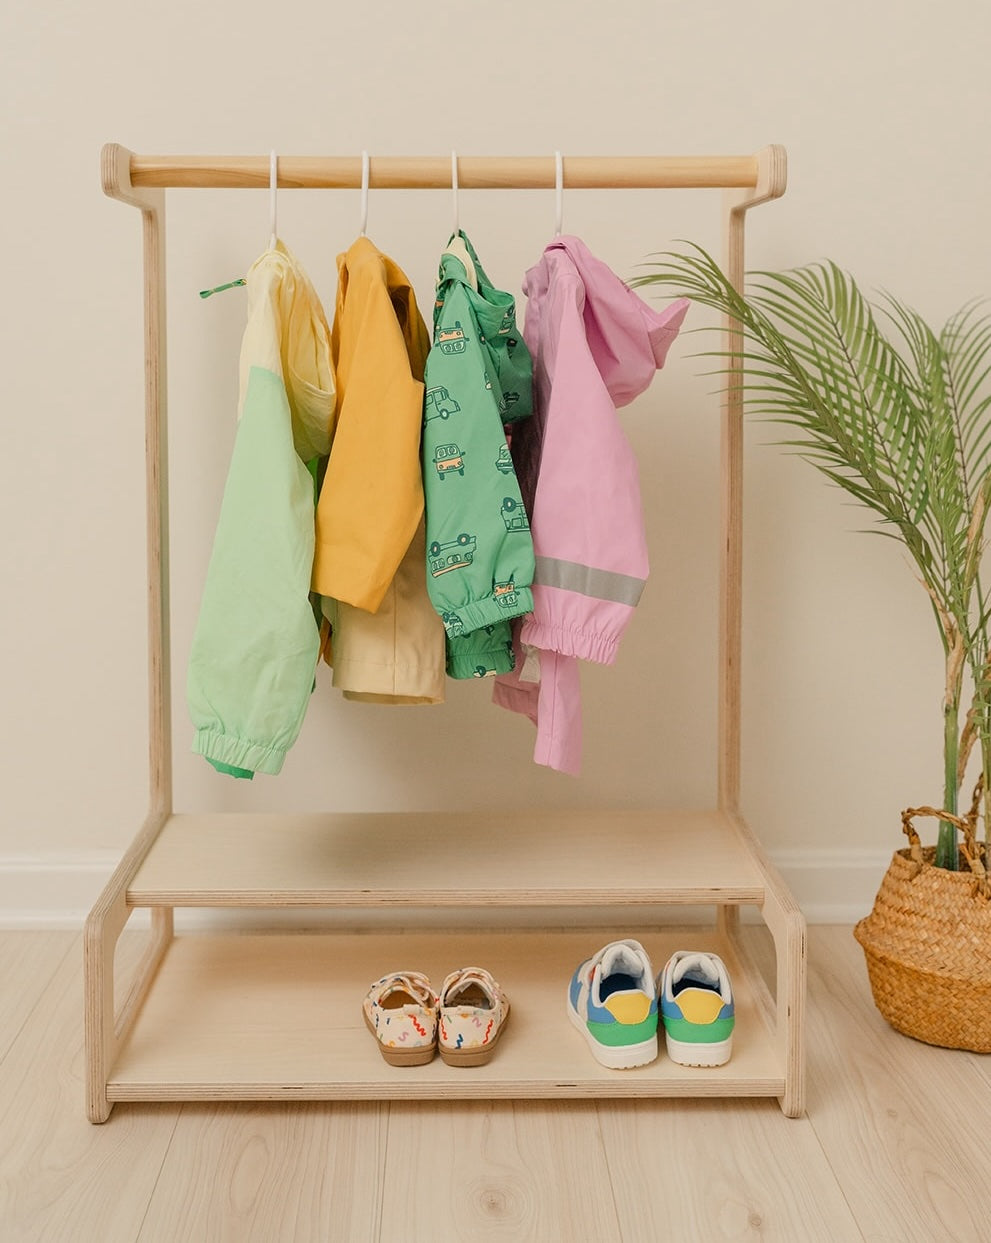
pixel 411 985
pixel 621 959
pixel 470 979
pixel 699 966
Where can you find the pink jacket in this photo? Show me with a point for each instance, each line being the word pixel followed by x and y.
pixel 595 346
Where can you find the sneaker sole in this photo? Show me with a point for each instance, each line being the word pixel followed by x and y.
pixel 685 1054
pixel 477 1056
pixel 614 1057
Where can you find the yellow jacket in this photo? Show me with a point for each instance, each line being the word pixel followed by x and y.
pixel 387 642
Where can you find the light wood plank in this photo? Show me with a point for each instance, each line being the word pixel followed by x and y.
pixel 711 1171
pixel 302 1172
pixel 786 924
pixel 28 961
pixel 904 1125
pixel 115 175
pixel 101 934
pixel 485 1172
pixel 772 178
pixel 60 1177
pixel 279 1017
pixel 430 858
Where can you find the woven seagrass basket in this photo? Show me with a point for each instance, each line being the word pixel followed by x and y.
pixel 928 944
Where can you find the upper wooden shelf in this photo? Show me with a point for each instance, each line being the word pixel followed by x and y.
pixel 599 858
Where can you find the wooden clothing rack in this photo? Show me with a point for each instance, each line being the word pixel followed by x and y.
pixel 214 1016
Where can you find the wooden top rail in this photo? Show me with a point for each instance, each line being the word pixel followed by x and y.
pixel 386 172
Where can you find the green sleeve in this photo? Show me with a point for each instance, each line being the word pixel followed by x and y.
pixel 256 642
pixel 479 550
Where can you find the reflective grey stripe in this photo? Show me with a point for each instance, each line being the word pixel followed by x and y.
pixel 586 581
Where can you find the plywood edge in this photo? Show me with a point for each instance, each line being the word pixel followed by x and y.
pixel 773 880
pixel 125 871
pixel 464 1088
pixel 115 179
pixel 675 816
pixel 482 898
pixel 787 925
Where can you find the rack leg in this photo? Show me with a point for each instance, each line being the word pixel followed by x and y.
pixel 103 928
pixel 787 927
pixel 106 1027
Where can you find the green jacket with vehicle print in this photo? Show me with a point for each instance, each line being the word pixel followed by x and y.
pixel 478 378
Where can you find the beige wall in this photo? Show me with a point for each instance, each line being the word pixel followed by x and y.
pixel 883 110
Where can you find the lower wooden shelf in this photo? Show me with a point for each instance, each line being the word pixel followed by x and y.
pixel 247 1016
pixel 278 1017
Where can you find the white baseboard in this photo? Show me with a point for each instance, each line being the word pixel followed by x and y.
pixel 56 891
pixel 832 886
pixel 53 889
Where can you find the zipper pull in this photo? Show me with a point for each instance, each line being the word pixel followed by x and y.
pixel 205 293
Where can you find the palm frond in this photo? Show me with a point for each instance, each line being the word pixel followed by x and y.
pixel 815 359
pixel 902 425
pixel 966 343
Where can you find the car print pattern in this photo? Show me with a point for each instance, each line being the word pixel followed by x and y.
pixel 439 404
pixel 448 458
pixel 478 530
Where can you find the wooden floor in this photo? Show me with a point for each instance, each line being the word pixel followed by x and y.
pixel 895 1146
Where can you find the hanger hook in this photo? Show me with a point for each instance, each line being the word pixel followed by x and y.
pixel 273 189
pixel 558 192
pixel 364 191
pixel 454 190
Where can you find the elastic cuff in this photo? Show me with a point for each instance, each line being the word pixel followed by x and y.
pixel 221 748
pixel 480 655
pixel 509 603
pixel 570 641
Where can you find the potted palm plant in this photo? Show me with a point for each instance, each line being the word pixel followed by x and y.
pixel 898 415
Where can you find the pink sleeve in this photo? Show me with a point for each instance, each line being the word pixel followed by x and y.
pixel 553 704
pixel 587 521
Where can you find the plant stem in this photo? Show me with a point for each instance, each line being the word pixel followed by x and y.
pixel 946 841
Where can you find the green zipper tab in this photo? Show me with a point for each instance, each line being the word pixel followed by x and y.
pixel 205 293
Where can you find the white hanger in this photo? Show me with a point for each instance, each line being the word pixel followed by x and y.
pixel 558 192
pixel 454 189
pixel 273 186
pixel 364 192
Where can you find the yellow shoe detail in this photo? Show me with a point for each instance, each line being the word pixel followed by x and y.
pixel 699 1005
pixel 628 1007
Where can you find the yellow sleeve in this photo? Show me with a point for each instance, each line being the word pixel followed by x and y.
pixel 372 495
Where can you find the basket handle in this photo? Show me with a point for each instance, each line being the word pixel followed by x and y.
pixel 969 847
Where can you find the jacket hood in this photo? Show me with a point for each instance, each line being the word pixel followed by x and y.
pixel 628 339
pixel 494 311
pixel 288 334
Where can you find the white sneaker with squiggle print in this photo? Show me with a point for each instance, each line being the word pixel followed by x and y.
pixel 473 1013
pixel 400 1011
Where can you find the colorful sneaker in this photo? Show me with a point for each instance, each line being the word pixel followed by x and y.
pixel 612 1002
pixel 697 1009
pixel 473 1014
pixel 401 1013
